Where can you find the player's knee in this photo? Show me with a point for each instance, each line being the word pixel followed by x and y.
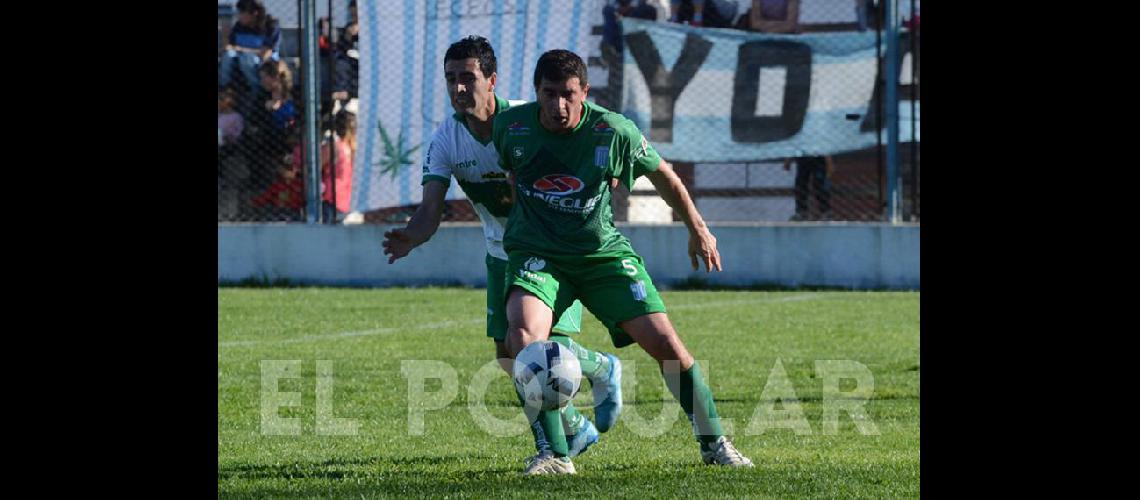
pixel 504 357
pixel 518 337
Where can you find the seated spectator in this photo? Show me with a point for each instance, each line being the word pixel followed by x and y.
pixel 269 125
pixel 612 14
pixel 277 80
pixel 347 58
pixel 344 140
pixel 230 123
pixel 720 15
pixel 284 199
pixel 254 40
pixel 775 16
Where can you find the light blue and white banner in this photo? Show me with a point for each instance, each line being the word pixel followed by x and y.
pixel 402 93
pixel 720 95
pixel 700 95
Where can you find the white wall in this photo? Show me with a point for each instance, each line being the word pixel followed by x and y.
pixel 862 256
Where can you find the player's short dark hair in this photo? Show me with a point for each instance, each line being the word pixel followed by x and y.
pixel 473 46
pixel 558 65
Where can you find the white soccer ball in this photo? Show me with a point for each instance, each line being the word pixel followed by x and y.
pixel 547 375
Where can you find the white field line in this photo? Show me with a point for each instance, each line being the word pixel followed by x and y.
pixel 452 324
pixel 363 333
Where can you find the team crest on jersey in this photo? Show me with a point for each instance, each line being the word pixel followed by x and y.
pixel 601 156
pixel 559 184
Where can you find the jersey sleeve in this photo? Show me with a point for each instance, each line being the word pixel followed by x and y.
pixel 437 161
pixel 635 155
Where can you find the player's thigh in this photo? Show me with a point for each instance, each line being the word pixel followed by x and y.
pixel 656 335
pixel 533 295
pixel 616 289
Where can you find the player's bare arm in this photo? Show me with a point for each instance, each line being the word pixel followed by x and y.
pixel 702 243
pixel 399 242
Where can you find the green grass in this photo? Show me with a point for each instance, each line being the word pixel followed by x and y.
pixel 737 335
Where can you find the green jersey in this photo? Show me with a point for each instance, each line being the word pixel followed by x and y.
pixel 562 205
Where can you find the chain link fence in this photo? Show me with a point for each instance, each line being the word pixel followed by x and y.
pixel 769 110
pixel 261 171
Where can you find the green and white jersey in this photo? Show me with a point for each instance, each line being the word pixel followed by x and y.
pixel 456 152
pixel 562 180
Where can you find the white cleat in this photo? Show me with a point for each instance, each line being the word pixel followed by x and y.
pixel 723 452
pixel 546 463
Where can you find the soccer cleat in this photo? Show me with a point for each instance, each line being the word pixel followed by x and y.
pixel 607 396
pixel 547 463
pixel 583 439
pixel 722 452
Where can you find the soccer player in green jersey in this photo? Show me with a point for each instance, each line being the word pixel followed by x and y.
pixel 564 155
pixel 461 148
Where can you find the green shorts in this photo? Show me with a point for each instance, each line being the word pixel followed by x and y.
pixel 615 289
pixel 569 323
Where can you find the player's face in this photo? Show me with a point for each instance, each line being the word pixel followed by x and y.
pixel 467 86
pixel 561 103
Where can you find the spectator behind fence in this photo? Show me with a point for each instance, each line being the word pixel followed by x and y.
pixel 230 123
pixel 344 126
pixel 254 40
pixel 284 199
pixel 270 125
pixel 611 16
pixel 774 16
pixel 278 81
pixel 721 14
pixel 347 60
pixel 814 172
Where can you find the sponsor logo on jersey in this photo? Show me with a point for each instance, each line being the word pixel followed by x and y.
pixel 559 184
pixel 517 152
pixel 494 175
pixel 465 164
pixel 517 128
pixel 564 203
pixel 603 128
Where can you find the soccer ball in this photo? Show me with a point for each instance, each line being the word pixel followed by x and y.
pixel 547 375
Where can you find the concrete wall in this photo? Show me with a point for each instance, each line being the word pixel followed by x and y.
pixel 845 255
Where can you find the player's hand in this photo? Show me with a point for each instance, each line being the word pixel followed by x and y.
pixel 702 244
pixel 396 244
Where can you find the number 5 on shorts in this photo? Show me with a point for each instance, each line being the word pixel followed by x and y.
pixel 628 266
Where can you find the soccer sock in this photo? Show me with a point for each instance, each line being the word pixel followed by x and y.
pixel 697 400
pixel 540 442
pixel 572 420
pixel 594 364
pixel 551 422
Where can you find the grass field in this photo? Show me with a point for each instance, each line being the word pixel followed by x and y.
pixel 364 334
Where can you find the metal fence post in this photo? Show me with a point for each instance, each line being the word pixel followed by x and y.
pixel 311 139
pixel 892 94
